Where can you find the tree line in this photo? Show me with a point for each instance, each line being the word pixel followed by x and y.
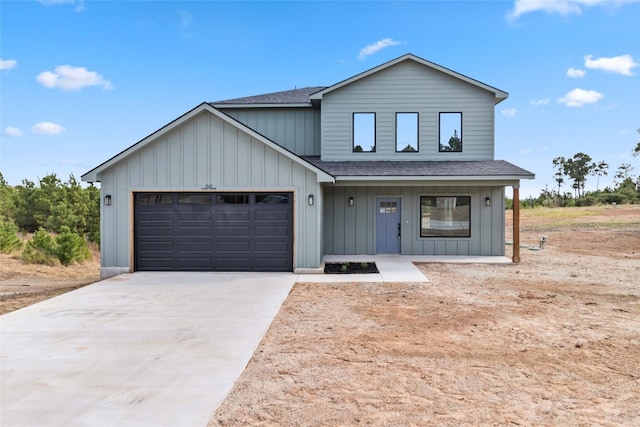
pixel 61 218
pixel 572 174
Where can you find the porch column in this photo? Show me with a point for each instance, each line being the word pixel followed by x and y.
pixel 516 224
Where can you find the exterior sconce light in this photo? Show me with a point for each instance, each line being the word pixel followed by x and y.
pixel 310 200
pixel 351 201
pixel 487 201
pixel 107 200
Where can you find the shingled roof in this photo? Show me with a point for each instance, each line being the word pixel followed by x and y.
pixel 443 169
pixel 294 96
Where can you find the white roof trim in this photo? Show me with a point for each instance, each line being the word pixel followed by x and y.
pixel 94 174
pixel 500 95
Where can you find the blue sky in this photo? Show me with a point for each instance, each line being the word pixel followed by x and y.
pixel 83 80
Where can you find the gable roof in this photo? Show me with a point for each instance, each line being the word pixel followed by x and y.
pixel 444 170
pixel 288 98
pixel 94 174
pixel 499 94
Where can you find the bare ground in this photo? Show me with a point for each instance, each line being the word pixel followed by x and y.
pixel 554 340
pixel 25 284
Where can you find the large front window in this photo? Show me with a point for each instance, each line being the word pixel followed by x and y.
pixel 445 216
pixel 364 132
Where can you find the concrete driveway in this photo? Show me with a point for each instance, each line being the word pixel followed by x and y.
pixel 143 349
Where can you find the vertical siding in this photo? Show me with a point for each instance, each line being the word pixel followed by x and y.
pixel 296 129
pixel 408 87
pixel 351 230
pixel 206 151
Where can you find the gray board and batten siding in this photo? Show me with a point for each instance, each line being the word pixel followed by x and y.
pixel 351 230
pixel 408 86
pixel 205 150
pixel 296 129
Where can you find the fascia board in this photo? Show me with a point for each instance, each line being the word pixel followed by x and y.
pixel 433 180
pixel 240 106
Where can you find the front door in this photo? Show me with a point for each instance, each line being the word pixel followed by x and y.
pixel 388 225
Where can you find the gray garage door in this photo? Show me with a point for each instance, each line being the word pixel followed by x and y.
pixel 214 231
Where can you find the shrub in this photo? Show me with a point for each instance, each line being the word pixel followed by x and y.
pixel 587 201
pixel 9 240
pixel 41 249
pixel 71 247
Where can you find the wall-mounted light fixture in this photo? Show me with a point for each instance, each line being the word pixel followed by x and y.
pixel 107 200
pixel 487 201
pixel 351 201
pixel 310 200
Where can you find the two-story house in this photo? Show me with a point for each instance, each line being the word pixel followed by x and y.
pixel 398 159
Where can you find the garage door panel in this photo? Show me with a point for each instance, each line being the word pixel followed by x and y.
pixel 209 232
pixel 156 232
pixel 268 247
pixel 270 214
pixel 194 232
pixel 159 264
pixel 234 264
pixel 272 231
pixel 232 213
pixel 203 261
pixel 233 246
pixel 156 216
pixel 204 246
pixel 153 247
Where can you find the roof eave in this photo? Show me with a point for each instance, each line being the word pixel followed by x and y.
pixel 263 105
pixel 466 179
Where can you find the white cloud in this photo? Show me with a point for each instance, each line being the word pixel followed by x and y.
pixel 79 3
pixel 377 46
pixel 66 77
pixel 12 132
pixel 186 18
pixel 575 73
pixel 622 64
pixel 561 7
pixel 509 112
pixel 47 128
pixel 580 97
pixel 544 101
pixel 7 64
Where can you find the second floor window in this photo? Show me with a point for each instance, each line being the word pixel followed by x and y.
pixel 450 132
pixel 406 132
pixel 364 132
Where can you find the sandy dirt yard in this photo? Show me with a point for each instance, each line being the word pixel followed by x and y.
pixel 552 341
pixel 24 284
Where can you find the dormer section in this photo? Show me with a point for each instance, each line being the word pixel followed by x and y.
pixel 408 109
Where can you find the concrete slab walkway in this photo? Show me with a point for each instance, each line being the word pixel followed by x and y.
pixel 143 349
